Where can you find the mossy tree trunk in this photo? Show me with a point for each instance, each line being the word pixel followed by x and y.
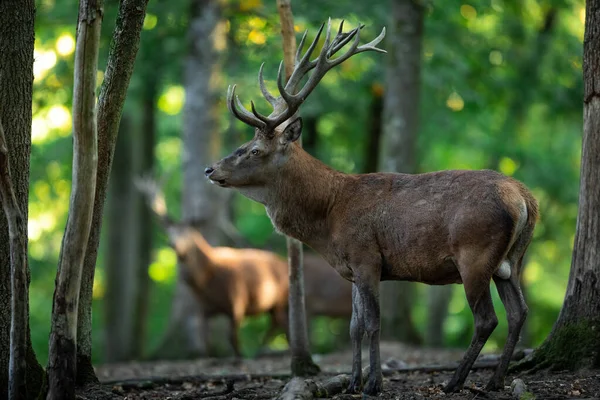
pixel 573 342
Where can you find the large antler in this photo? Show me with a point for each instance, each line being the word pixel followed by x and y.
pixel 290 99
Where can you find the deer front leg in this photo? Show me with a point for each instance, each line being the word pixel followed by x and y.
pixel 357 331
pixel 371 313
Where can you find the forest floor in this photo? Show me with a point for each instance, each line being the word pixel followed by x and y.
pixel 265 377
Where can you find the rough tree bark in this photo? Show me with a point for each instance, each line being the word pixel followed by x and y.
pixel 573 342
pixel 202 203
pixel 63 334
pixel 121 261
pixel 16 84
pixel 398 150
pixel 302 362
pixel 144 163
pixel 121 59
pixel 17 388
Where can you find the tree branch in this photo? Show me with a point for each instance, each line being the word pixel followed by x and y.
pixel 17 388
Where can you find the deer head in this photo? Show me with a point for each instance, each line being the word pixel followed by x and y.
pixel 254 164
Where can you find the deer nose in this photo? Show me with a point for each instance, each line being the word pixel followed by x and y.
pixel 209 171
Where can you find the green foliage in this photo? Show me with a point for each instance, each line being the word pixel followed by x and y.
pixel 496 93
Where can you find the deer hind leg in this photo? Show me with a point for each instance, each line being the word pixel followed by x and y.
pixel 370 298
pixel 357 332
pixel 516 313
pixel 477 289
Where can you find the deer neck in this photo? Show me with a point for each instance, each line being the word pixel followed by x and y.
pixel 298 201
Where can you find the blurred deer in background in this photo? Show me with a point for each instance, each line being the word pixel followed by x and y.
pixel 439 228
pixel 243 282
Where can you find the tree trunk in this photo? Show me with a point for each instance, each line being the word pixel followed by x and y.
pixel 202 203
pixel 302 363
pixel 398 150
pixel 438 298
pixel 17 389
pixel 63 333
pixel 16 83
pixel 145 163
pixel 573 342
pixel 121 59
pixel 371 157
pixel 121 262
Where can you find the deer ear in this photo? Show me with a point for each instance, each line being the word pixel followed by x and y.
pixel 292 132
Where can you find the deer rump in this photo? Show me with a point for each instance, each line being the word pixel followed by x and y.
pixel 423 224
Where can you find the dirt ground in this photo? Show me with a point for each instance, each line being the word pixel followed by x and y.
pixel 264 378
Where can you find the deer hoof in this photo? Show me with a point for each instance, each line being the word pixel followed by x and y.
pixel 374 385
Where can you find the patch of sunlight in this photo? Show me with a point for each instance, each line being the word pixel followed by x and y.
pixel 582 15
pixel 220 38
pixel 62 188
pixel 43 61
pixel 455 102
pixel 39 130
pixel 65 44
pixel 171 100
pixel 532 272
pixel 279 342
pixel 468 12
pixel 257 37
pixel 496 57
pixel 572 242
pixel 428 54
pixel 150 22
pixel 169 149
pixel 249 5
pixel 491 346
pixel 257 23
pixel 454 325
pixel 59 117
pixel 99 78
pixel 36 226
pixel 549 249
pixel 163 269
pixel 508 166
pixel 41 190
pixel 575 23
pixel 457 304
pixel 99 286
pixel 54 170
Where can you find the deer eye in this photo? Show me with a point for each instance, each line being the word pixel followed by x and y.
pixel 255 152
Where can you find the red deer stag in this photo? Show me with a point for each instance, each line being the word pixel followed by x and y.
pixel 439 228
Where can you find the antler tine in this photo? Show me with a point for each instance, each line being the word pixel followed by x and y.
pixel 257 114
pixel 337 44
pixel 300 46
pixel 237 108
pixel 304 65
pixel 351 51
pixel 263 88
pixel 325 49
pixel 371 45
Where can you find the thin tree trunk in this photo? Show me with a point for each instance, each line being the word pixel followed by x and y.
pixel 16 84
pixel 145 163
pixel 573 342
pixel 371 157
pixel 17 388
pixel 438 298
pixel 63 334
pixel 123 229
pixel 398 150
pixel 302 363
pixel 121 59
